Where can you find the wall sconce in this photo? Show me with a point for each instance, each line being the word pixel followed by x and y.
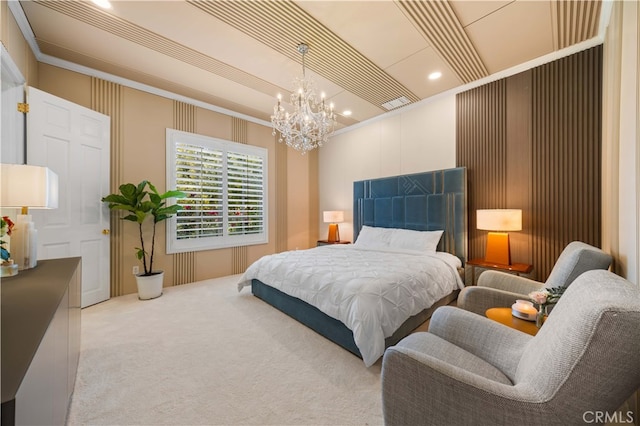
pixel 22 187
pixel 500 220
pixel 333 217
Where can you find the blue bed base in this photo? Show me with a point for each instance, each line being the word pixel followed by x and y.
pixel 332 328
pixel 423 201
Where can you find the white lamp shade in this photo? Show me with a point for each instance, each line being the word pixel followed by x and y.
pixel 24 185
pixel 499 219
pixel 333 216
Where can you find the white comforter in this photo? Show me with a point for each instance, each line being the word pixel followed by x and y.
pixel 371 291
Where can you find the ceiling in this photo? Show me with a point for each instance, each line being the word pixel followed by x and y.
pixel 239 55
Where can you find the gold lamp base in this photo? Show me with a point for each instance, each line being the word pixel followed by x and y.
pixel 498 248
pixel 334 233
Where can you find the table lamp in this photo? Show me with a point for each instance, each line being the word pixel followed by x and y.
pixel 333 217
pixel 22 187
pixel 498 221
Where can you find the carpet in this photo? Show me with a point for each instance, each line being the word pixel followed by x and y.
pixel 204 354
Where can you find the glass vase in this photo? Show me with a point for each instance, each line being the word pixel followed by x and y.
pixel 542 312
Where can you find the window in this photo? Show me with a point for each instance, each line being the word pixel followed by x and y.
pixel 226 187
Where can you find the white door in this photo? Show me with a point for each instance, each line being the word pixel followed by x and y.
pixel 73 141
pixel 12 121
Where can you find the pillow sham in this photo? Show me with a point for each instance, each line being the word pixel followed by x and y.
pixel 403 239
pixel 407 239
pixel 372 237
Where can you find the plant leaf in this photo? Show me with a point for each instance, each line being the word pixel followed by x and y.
pixel 155 198
pixel 131 217
pixel 153 188
pixel 141 186
pixel 128 190
pixel 140 216
pixel 173 194
pixel 140 253
pixel 115 198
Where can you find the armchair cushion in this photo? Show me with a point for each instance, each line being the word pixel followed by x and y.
pixel 449 356
pixel 486 339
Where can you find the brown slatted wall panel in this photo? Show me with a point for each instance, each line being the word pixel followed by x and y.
pixel 184 264
pixel 239 255
pixel 481 147
pixel 519 162
pixel 184 268
pixel 560 189
pixel 184 117
pixel 281 196
pixel 239 130
pixel 566 161
pixel 107 98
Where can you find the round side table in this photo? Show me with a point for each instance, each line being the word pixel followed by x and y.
pixel 503 316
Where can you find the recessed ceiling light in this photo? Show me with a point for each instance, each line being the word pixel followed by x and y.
pixel 346 113
pixel 105 4
pixel 435 75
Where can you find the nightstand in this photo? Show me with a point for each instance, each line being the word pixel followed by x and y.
pixel 514 268
pixel 326 242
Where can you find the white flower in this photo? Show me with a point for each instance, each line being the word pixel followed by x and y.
pixel 539 297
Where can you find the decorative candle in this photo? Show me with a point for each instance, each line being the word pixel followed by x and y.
pixel 525 307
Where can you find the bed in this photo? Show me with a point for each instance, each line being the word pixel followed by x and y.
pixel 408 230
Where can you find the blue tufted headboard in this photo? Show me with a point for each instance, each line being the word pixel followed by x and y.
pixel 422 201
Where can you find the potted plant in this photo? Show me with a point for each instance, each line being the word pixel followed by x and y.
pixel 141 203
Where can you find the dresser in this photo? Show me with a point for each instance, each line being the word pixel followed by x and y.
pixel 40 342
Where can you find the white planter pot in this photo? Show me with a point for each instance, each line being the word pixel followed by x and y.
pixel 150 287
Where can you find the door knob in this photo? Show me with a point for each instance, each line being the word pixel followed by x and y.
pixel 106 231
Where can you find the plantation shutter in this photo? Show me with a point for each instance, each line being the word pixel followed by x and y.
pixel 199 174
pixel 245 193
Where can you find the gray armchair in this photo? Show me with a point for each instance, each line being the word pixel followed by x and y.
pixel 471 370
pixel 501 289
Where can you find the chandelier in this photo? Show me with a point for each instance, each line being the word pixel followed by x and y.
pixel 311 122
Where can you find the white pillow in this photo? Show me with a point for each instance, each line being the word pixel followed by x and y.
pixel 372 237
pixel 407 239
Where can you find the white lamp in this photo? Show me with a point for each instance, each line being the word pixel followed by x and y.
pixel 498 242
pixel 333 217
pixel 24 186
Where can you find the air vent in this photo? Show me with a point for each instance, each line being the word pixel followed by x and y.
pixel 395 103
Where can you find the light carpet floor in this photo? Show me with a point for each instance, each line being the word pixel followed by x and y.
pixel 204 354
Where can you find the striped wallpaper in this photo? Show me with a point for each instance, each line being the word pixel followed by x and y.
pixel 108 98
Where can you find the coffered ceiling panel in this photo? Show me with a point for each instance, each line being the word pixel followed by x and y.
pixel 240 55
pixel 469 12
pixel 504 39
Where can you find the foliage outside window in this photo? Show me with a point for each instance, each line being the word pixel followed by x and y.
pixel 225 183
